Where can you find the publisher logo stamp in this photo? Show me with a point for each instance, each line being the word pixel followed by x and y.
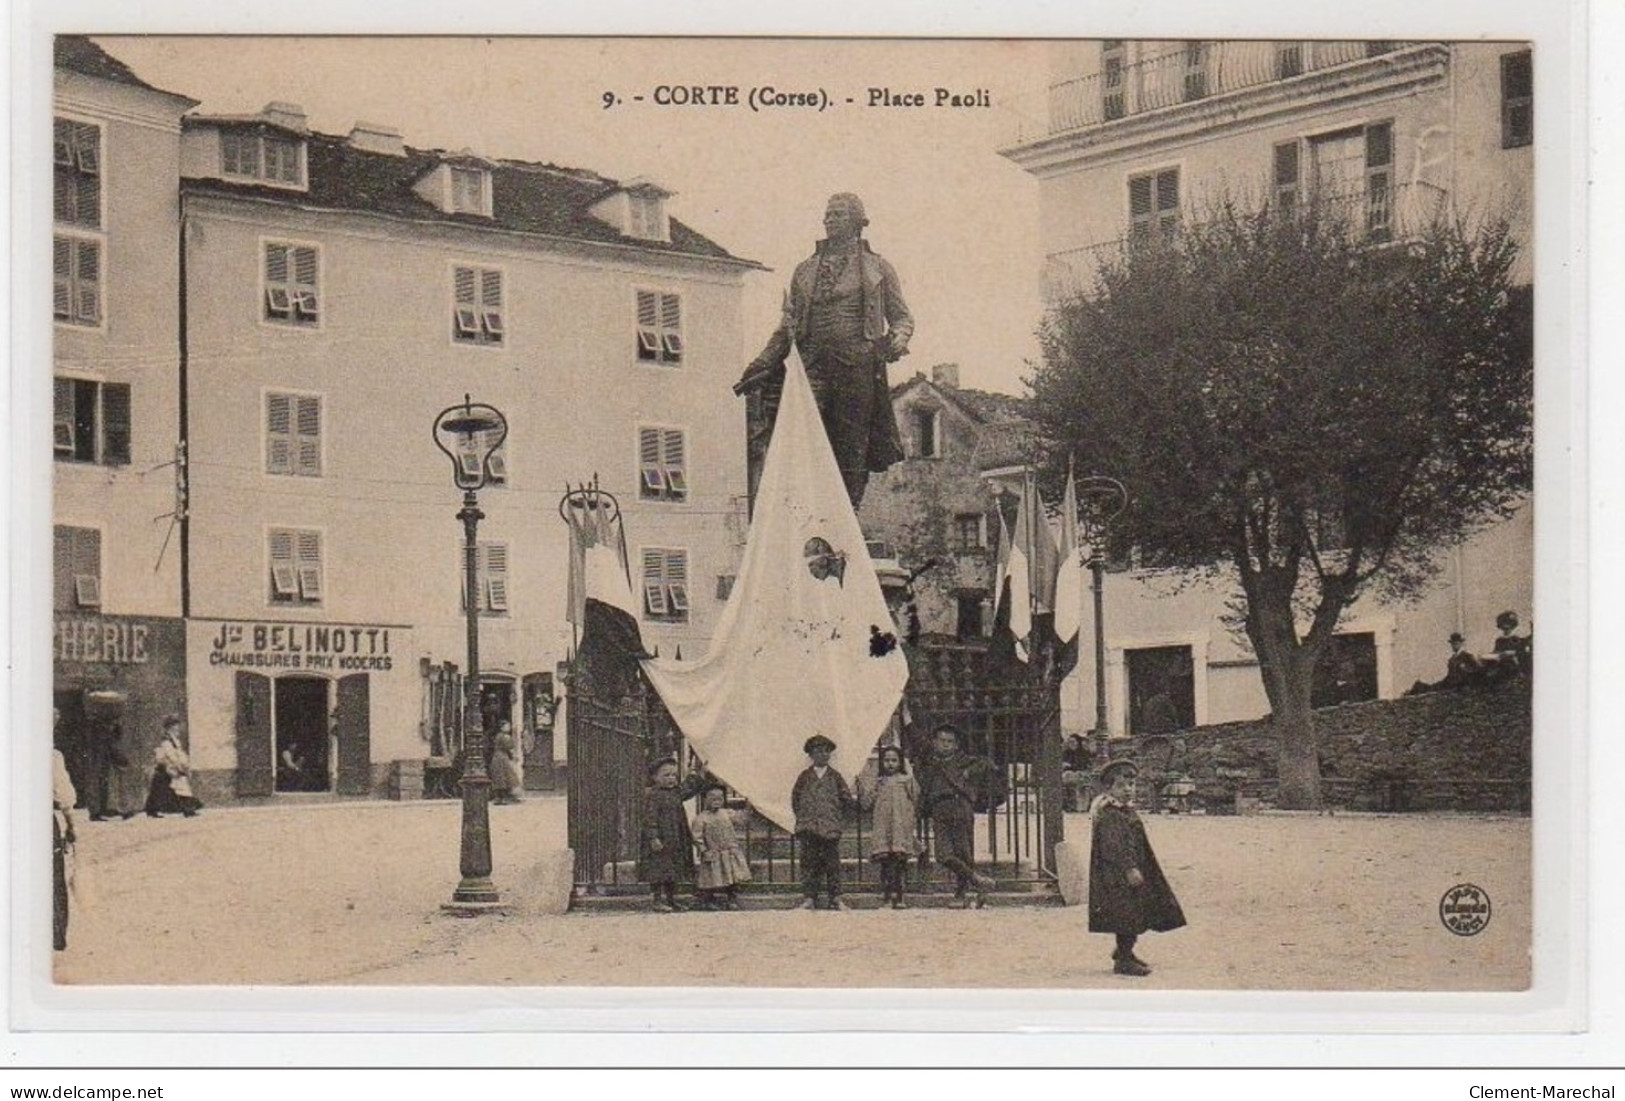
pixel 1465 910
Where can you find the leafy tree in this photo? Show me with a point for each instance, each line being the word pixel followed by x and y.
pixel 1286 399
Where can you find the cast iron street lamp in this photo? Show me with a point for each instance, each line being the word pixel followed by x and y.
pixel 469 433
pixel 1101 499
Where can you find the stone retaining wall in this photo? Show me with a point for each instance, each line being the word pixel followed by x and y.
pixel 1465 750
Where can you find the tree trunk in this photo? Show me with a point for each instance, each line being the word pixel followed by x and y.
pixel 1288 669
pixel 1298 763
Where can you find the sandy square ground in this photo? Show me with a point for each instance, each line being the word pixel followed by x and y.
pixel 350 894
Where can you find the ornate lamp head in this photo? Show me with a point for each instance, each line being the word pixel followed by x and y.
pixel 469 434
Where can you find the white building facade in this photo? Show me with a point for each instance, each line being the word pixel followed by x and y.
pixel 118 643
pixel 1138 137
pixel 339 292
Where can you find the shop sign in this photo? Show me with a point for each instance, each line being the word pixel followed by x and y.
pixel 105 641
pixel 318 647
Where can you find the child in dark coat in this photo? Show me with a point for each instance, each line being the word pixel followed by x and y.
pixel 1128 893
pixel 666 856
pixel 952 782
pixel 821 801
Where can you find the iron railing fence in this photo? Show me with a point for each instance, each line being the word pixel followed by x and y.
pixel 1387 215
pixel 1181 72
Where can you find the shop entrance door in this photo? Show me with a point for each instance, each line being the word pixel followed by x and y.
pixel 302 754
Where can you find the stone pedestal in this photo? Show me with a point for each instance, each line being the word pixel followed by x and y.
pixel 1072 872
pixel 556 873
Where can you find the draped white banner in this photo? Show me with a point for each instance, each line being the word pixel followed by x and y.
pixel 805 645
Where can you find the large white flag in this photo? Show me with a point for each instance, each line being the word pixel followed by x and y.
pixel 805 645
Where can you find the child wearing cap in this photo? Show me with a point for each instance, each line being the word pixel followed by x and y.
pixel 723 865
pixel 821 801
pixel 1128 893
pixel 667 853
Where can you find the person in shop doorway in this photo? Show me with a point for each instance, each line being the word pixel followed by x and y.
pixel 170 791
pixel 106 799
pixel 505 779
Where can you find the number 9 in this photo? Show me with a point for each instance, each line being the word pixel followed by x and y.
pixel 609 100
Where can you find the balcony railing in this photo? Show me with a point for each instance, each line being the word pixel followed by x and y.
pixel 1386 215
pixel 1185 73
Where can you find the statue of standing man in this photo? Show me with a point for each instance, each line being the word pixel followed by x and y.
pixel 845 315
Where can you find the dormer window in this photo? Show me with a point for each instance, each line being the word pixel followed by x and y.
pixel 468 187
pixel 647 219
pixel 265 157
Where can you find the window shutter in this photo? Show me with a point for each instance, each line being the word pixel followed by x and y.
pixel 308 429
pixel 284 584
pixel 1379 159
pixel 62 271
pixel 87 566
pixel 304 266
pixel 676 467
pixel 62 568
pixel 465 285
pixel 62 427
pixel 651 480
pixel 87 306
pixel 279 445
pixel 496 576
pixel 491 289
pixel 654 587
pixel 671 327
pixel 677 581
pixel 276 263
pixel 1517 99
pixel 116 423
pixel 310 565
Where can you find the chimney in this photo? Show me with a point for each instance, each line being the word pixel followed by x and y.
pixel 373 137
pixel 946 375
pixel 288 115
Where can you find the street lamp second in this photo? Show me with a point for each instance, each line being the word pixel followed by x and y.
pixel 1102 498
pixel 468 434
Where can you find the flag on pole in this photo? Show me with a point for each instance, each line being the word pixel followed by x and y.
pixel 1068 582
pixel 601 604
pixel 805 644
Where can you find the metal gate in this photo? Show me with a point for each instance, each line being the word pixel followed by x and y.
pixel 611 743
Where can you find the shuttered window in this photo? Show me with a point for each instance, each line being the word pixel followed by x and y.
pixel 293 434
pixel 91 421
pixel 76 568
pixel 77 191
pixel 1153 201
pixel 477 314
pixel 296 566
pixel 662 464
pixel 665 584
pixel 660 328
pixel 76 280
pixel 291 294
pixel 1288 60
pixel 1196 64
pixel 490 578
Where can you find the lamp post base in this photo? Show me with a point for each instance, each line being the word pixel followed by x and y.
pixel 473 897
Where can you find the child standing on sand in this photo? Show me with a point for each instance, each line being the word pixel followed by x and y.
pixel 667 853
pixel 821 800
pixel 723 865
pixel 1128 893
pixel 894 798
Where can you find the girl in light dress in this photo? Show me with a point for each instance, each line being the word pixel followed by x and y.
pixel 723 865
pixel 894 798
